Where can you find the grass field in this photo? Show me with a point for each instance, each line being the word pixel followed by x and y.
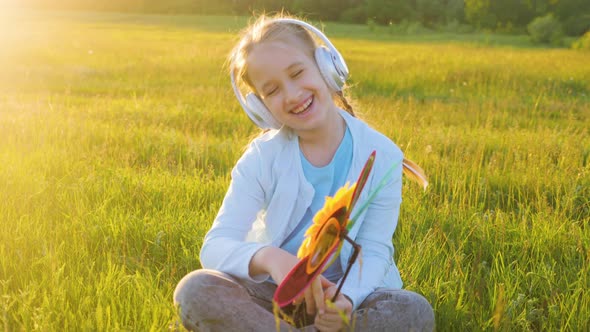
pixel 118 132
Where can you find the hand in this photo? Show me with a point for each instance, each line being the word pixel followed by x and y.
pixel 337 314
pixel 278 263
pixel 274 261
pixel 314 295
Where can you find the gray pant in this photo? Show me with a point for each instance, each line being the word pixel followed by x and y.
pixel 213 301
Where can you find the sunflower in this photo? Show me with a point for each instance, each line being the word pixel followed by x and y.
pixel 334 207
pixel 324 239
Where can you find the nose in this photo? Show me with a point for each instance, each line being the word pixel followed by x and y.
pixel 292 93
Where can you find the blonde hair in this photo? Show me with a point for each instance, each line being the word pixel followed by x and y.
pixel 266 29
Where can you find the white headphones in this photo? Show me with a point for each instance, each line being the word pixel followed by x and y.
pixel 329 61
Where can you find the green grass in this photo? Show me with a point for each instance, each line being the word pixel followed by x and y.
pixel 118 133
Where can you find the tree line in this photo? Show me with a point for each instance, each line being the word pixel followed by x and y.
pixel 494 15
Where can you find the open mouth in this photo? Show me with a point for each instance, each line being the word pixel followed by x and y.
pixel 303 107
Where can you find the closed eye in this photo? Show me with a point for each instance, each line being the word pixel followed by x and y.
pixel 297 73
pixel 272 92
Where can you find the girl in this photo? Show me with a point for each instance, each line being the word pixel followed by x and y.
pixel 313 144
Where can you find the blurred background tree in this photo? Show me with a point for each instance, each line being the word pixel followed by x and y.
pixel 507 16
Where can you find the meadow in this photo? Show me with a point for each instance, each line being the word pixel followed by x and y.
pixel 118 133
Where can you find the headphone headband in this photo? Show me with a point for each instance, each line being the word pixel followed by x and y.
pixel 335 54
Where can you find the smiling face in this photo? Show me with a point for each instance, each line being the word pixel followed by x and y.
pixel 289 83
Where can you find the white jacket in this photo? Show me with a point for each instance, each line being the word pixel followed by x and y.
pixel 268 195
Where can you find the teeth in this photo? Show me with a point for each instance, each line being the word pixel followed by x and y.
pixel 303 107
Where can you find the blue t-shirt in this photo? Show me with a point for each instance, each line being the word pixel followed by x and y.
pixel 325 181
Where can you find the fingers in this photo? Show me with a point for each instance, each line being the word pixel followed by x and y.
pixel 330 318
pixel 325 282
pixel 309 301
pixel 329 292
pixel 337 314
pixel 318 295
pixel 326 327
pixel 330 321
pixel 314 295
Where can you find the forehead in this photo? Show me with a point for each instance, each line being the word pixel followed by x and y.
pixel 272 58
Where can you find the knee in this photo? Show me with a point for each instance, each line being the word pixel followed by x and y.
pixel 197 296
pixel 405 310
pixel 422 312
pixel 188 287
pixel 196 285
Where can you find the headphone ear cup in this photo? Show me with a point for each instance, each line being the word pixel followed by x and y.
pixel 258 113
pixel 328 68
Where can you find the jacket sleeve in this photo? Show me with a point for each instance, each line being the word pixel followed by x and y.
pixel 225 247
pixel 375 238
